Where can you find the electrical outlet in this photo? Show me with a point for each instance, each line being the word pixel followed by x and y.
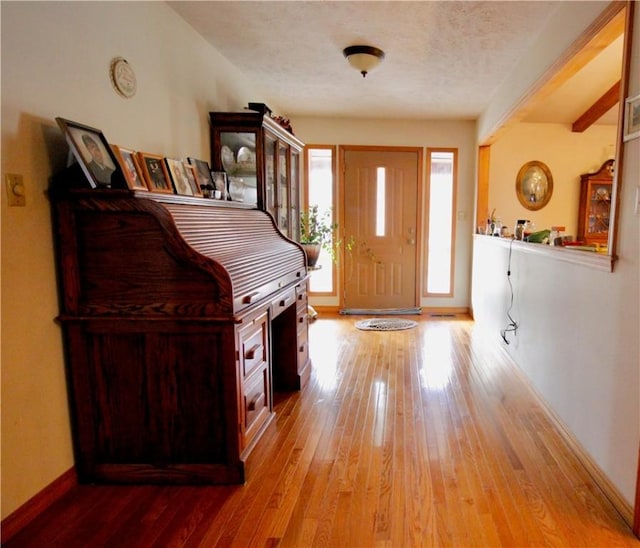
pixel 15 189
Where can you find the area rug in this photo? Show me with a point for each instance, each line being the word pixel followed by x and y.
pixel 385 324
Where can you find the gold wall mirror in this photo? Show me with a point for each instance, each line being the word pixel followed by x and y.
pixel 534 185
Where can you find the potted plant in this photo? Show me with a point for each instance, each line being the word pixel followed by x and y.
pixel 316 233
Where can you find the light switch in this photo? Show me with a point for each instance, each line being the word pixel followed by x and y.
pixel 15 189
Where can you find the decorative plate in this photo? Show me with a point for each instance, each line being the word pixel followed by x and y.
pixel 246 156
pixel 123 78
pixel 246 161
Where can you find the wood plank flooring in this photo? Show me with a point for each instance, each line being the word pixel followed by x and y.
pixel 422 437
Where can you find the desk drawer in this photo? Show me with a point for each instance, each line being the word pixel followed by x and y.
pixel 253 346
pixel 257 403
pixel 301 295
pixel 303 349
pixel 284 301
pixel 302 320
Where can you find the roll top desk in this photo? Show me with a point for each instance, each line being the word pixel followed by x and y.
pixel 180 318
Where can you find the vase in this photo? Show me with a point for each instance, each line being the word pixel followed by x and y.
pixel 313 253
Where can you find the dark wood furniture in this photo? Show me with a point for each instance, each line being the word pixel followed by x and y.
pixel 263 159
pixel 595 205
pixel 180 317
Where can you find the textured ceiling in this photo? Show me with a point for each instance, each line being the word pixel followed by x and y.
pixel 443 59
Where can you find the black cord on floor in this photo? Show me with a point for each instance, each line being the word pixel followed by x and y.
pixel 512 326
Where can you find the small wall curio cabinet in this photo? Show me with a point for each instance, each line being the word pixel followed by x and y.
pixel 595 205
pixel 181 316
pixel 262 162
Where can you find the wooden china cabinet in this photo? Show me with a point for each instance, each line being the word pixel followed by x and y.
pixel 262 162
pixel 595 205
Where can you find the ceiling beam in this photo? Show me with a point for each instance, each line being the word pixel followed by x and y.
pixel 600 107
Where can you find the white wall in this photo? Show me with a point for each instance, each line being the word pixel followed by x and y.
pixel 55 62
pixel 578 338
pixel 412 133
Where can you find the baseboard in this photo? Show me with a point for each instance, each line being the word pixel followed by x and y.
pixel 443 311
pixel 25 514
pixel 380 311
pixel 327 309
pixel 605 485
pixel 426 310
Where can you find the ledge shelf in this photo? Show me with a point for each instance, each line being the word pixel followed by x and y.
pixel 589 259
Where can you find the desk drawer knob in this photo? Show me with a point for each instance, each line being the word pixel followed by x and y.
pixel 253 351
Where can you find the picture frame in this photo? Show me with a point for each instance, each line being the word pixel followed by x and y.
pixel 178 176
pixel 155 172
pixel 534 185
pixel 631 118
pixel 93 153
pixel 220 184
pixel 203 174
pixel 130 167
pixel 192 177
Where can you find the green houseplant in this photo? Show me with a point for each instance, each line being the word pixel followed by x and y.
pixel 316 233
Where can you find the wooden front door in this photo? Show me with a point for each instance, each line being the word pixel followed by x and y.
pixel 380 219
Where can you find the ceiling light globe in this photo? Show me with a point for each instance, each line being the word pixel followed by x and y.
pixel 363 58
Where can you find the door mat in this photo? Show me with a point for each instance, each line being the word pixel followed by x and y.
pixel 385 324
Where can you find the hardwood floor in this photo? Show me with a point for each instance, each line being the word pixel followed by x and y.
pixel 422 437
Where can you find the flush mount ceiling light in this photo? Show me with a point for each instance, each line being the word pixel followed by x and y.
pixel 363 58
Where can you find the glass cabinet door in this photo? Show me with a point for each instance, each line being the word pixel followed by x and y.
pixel 238 158
pixel 270 174
pixel 283 188
pixel 294 198
pixel 599 207
pixel 594 211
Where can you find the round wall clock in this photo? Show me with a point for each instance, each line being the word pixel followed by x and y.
pixel 123 77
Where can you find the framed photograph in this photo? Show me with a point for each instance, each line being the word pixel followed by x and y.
pixel 93 153
pixel 534 185
pixel 632 118
pixel 178 176
pixel 220 184
pixel 203 173
pixel 155 172
pixel 129 165
pixel 192 177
